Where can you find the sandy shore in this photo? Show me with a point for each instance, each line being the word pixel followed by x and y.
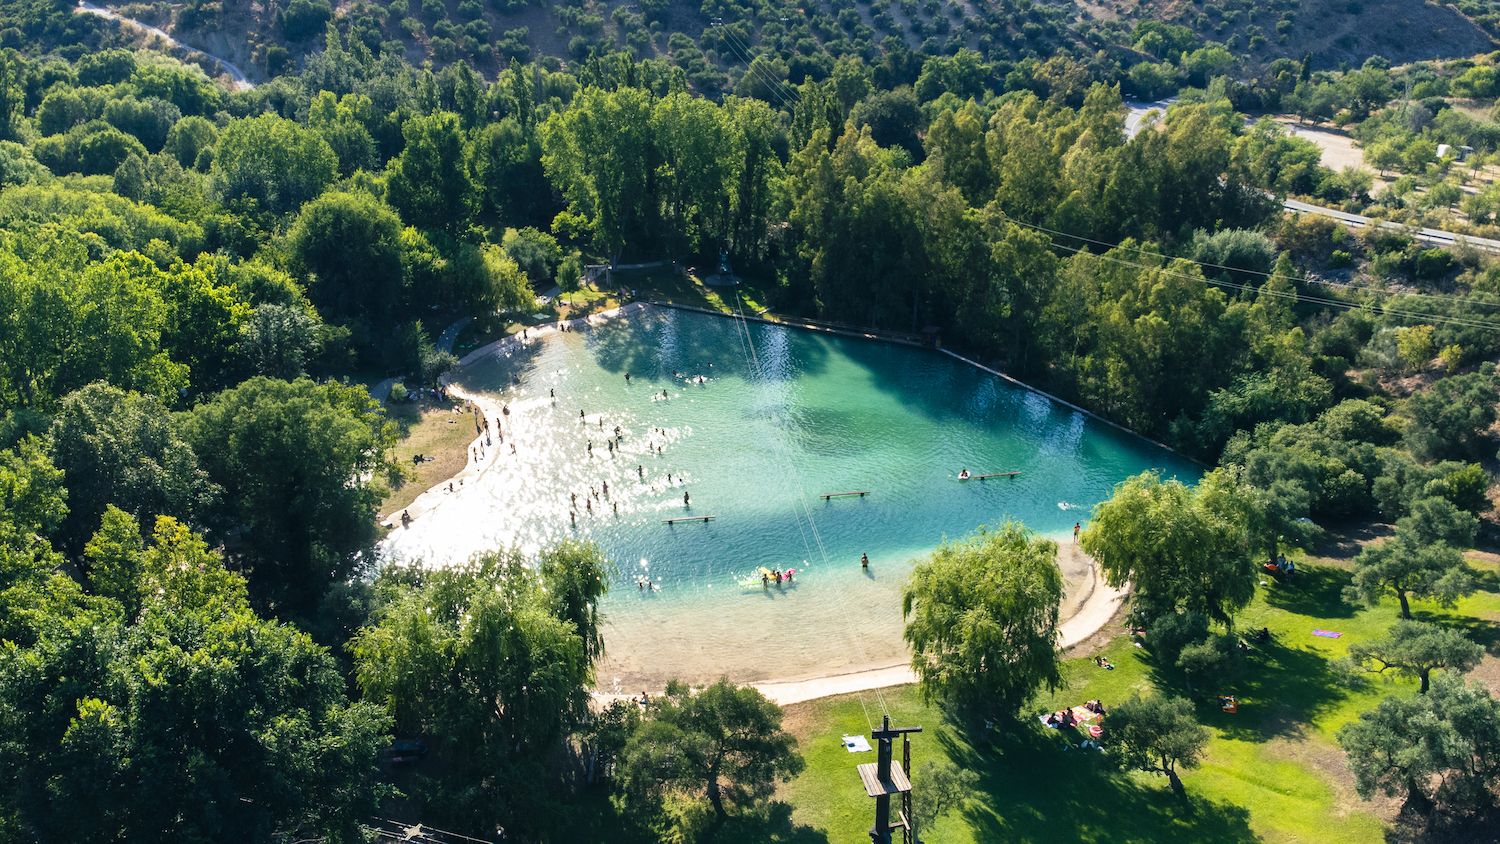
pixel 1098 604
pixel 481 456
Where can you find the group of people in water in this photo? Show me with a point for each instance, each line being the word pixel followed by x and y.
pixel 776 576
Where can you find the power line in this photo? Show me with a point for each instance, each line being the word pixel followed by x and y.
pixel 778 88
pixel 1295 297
pixel 799 498
pixel 743 48
pixel 1268 276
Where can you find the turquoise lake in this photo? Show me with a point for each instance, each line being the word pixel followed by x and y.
pixel 781 417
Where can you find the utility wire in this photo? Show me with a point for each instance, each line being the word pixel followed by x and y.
pixel 1295 297
pixel 1304 279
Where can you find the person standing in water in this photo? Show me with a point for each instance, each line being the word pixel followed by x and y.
pixel 686 500
pixel 1077 526
pixel 864 561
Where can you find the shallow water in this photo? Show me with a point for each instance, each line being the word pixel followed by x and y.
pixel 784 416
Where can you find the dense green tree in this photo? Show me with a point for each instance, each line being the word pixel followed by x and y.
pixel 723 743
pixel 192 718
pixel 945 788
pixel 505 158
pixel 484 660
pixel 65 323
pixel 1452 418
pixel 274 161
pixel 123 449
pixel 351 244
pixel 189 138
pixel 1180 547
pixel 697 153
pixel 429 182
pixel 1438 750
pixel 342 122
pixel 597 152
pixel 1157 734
pixel 1416 649
pixel 981 618
pixel 1420 561
pixel 301 465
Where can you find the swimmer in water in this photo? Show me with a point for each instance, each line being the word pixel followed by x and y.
pixel 963 475
pixel 864 561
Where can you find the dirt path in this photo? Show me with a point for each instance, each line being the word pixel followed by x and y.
pixel 238 80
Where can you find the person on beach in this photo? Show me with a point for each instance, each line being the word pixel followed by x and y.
pixel 765 578
pixel 580 413
pixel 686 500
pixel 611 444
pixel 1077 526
pixel 616 507
pixel 512 448
pixel 864 561
pixel 591 448
pixel 573 518
pixel 627 378
pixel 588 504
pixel 573 498
pixel 640 470
pixel 551 393
pixel 405 519
pixel 606 488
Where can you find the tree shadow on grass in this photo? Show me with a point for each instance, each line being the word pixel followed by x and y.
pixel 592 817
pixel 1032 789
pixel 769 824
pixel 1482 632
pixel 1280 690
pixel 1316 591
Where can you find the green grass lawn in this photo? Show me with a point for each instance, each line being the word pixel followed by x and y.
pixel 1272 772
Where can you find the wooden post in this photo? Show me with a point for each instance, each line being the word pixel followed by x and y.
pixel 884 777
pixel 909 832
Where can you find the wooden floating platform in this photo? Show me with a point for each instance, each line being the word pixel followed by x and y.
pixel 859 492
pixel 992 475
pixel 687 519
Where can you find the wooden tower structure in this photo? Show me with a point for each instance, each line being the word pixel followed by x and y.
pixel 886 777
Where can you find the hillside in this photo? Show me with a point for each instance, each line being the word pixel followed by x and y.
pixel 1334 32
pixel 713 42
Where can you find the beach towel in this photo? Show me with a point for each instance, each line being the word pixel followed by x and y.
pixel 856 744
pixel 1084 715
pixel 1043 718
pixel 1327 634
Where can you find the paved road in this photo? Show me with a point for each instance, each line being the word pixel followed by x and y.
pixel 1358 221
pixel 1136 115
pixel 236 76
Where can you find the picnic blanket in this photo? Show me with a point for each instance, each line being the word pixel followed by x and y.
pixel 1085 716
pixel 856 744
pixel 1327 634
